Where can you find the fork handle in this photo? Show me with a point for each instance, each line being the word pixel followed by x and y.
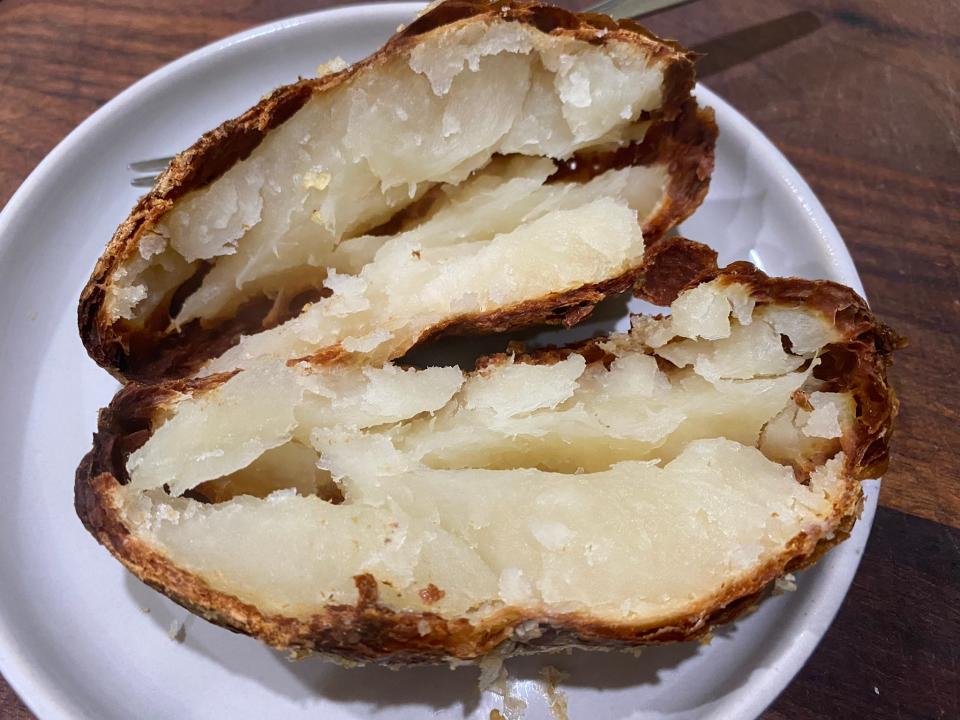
pixel 632 8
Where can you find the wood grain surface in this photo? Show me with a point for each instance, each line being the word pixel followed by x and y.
pixel 862 96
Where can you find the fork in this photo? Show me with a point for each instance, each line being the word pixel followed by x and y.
pixel 147 171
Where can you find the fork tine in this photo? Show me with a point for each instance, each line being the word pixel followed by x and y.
pixel 149 166
pixel 144 181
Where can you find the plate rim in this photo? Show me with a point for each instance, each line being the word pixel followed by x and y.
pixel 40 693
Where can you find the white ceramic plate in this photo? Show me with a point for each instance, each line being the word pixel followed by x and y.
pixel 79 637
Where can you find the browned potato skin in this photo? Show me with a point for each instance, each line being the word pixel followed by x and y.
pixel 371 632
pixel 683 136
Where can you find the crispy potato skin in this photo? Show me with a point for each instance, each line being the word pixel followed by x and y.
pixel 682 136
pixel 371 632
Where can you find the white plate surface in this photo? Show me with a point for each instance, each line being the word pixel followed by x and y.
pixel 79 637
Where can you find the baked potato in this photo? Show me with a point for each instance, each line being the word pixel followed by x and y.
pixel 494 165
pixel 634 489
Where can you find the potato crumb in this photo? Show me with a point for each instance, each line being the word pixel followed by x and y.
pixel 787 583
pixel 527 631
pixel 177 631
pixel 556 698
pixel 331 66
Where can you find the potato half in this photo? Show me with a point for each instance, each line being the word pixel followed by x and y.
pixel 493 165
pixel 629 490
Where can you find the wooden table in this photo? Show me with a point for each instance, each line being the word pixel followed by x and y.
pixel 862 96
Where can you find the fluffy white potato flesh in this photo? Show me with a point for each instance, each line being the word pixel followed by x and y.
pixel 356 155
pixel 413 284
pixel 634 488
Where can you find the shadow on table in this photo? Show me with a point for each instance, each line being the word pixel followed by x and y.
pixel 735 48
